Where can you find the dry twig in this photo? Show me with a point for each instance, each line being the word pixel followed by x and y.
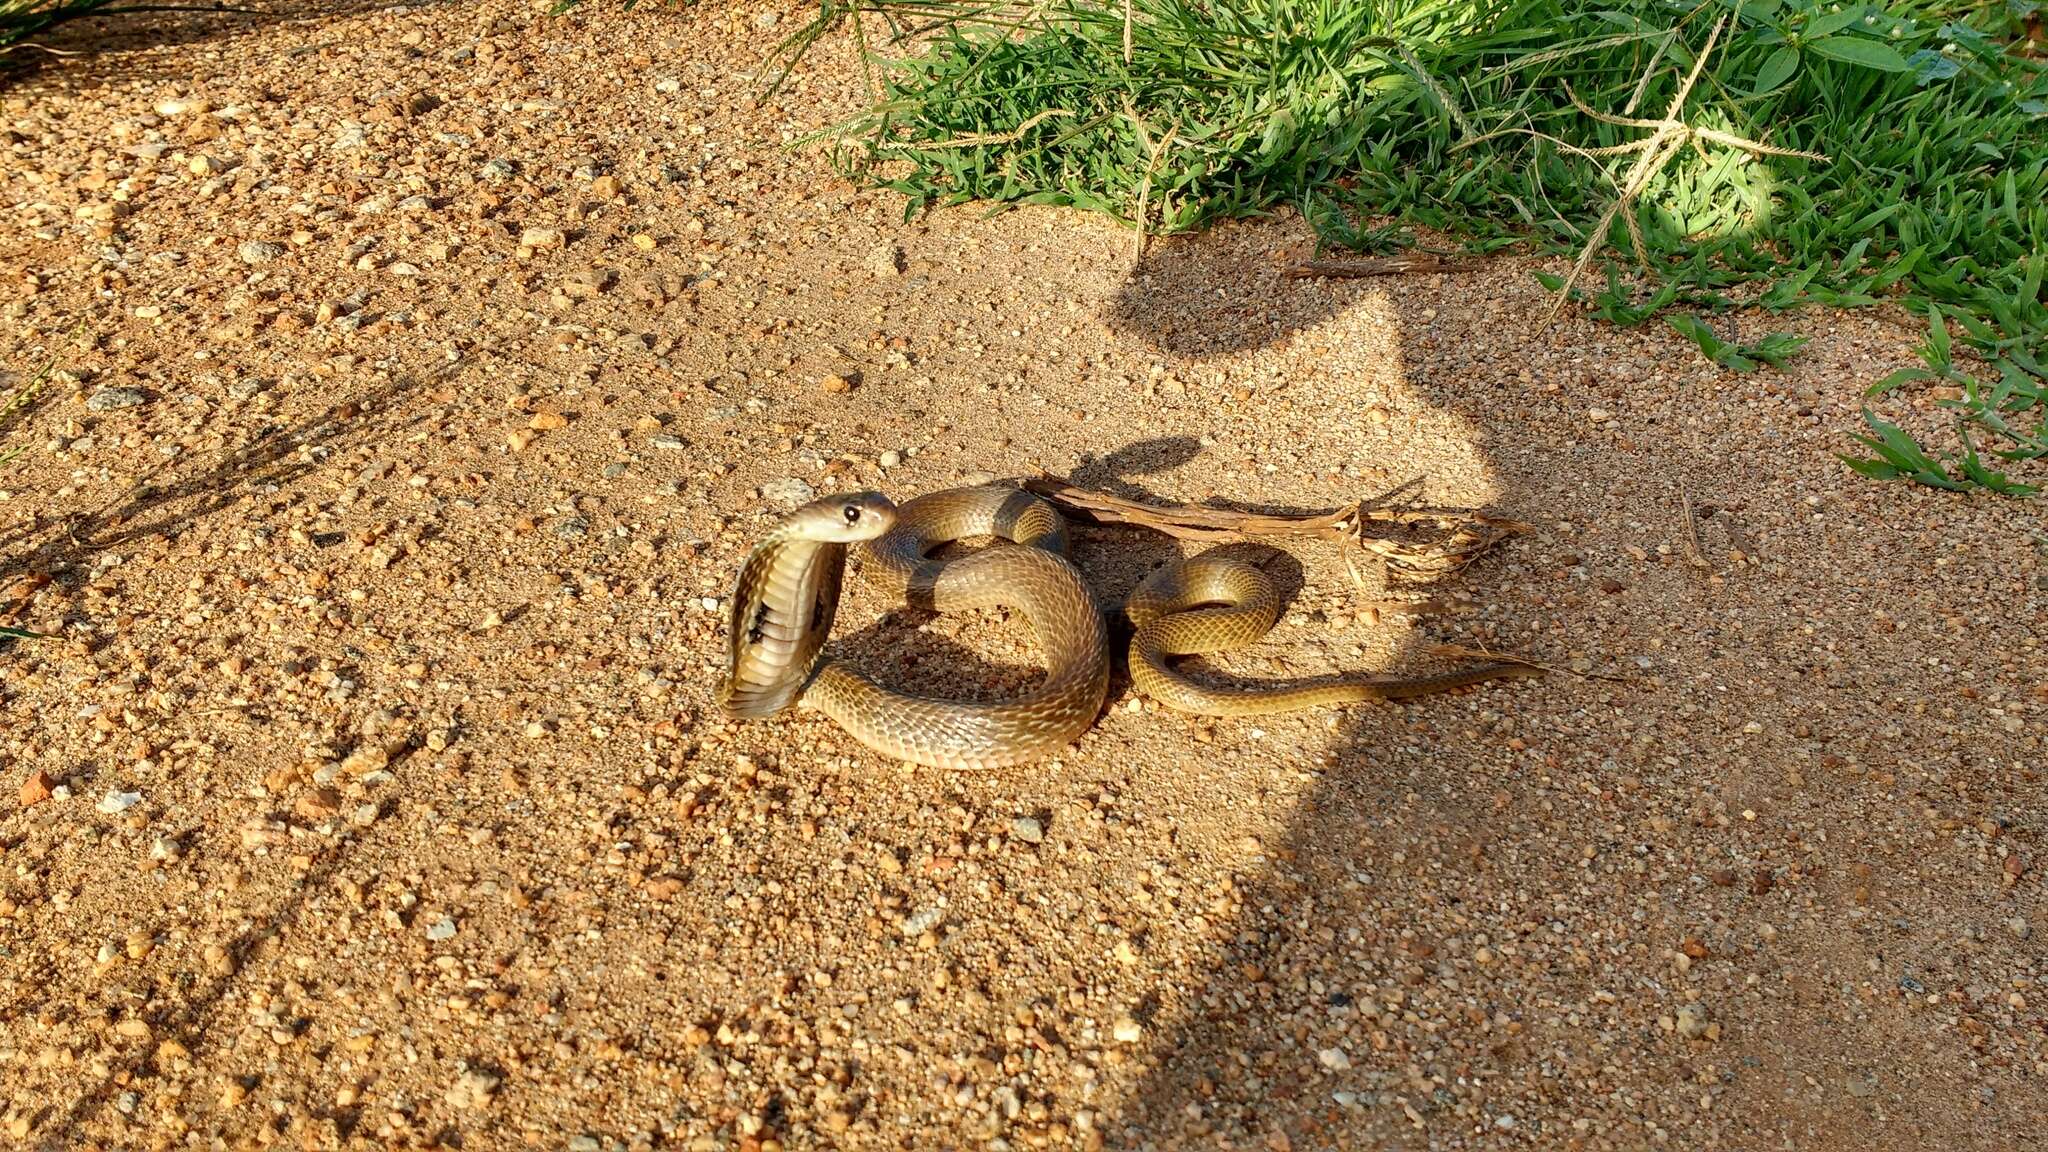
pixel 1692 530
pixel 1381 266
pixel 1443 540
pixel 1464 652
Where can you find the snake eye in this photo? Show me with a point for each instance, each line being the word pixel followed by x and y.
pixel 852 513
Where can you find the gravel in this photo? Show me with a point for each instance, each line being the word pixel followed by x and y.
pixel 788 492
pixel 115 399
pixel 308 593
pixel 258 251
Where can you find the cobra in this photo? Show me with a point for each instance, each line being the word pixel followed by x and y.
pixel 787 594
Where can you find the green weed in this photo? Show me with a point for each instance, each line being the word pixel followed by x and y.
pixel 1773 349
pixel 1898 456
pixel 1697 127
pixel 18 401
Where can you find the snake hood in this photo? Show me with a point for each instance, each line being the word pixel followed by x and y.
pixel 783 603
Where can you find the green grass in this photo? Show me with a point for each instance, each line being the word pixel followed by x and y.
pixel 10 411
pixel 18 401
pixel 1536 123
pixel 1773 349
pixel 20 20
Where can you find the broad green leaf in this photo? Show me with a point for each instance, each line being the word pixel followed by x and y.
pixel 1902 377
pixel 1777 69
pixel 1938 343
pixel 1862 53
pixel 1874 469
pixel 1966 36
pixel 1930 66
pixel 1832 22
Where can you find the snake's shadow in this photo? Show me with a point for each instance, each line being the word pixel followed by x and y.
pixel 964 656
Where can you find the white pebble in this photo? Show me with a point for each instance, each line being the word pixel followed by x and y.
pixel 117 802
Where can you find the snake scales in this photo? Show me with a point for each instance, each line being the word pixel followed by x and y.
pixel 787 594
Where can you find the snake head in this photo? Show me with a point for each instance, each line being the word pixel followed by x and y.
pixel 845 519
pixel 782 605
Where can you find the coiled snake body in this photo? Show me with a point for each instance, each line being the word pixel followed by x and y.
pixel 787 594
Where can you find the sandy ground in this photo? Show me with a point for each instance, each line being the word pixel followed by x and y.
pixel 470 351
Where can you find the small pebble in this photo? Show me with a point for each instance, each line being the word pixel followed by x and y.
pixel 113 399
pixel 787 491
pixel 37 788
pixel 1692 1021
pixel 442 929
pixel 1027 829
pixel 114 803
pixel 473 1089
pixel 258 251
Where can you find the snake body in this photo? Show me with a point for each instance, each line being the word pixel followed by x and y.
pixel 783 582
pixel 787 594
pixel 1209 603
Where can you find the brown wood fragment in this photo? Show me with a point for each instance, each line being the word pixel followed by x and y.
pixel 1412 263
pixel 1442 540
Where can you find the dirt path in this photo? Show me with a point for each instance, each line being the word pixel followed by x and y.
pixel 388 809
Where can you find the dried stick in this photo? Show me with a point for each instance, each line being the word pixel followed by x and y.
pixel 1466 652
pixel 1692 530
pixel 1460 538
pixel 1380 266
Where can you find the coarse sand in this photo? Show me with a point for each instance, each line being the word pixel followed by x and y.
pixel 421 376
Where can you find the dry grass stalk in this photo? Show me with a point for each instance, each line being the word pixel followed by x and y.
pixel 1669 136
